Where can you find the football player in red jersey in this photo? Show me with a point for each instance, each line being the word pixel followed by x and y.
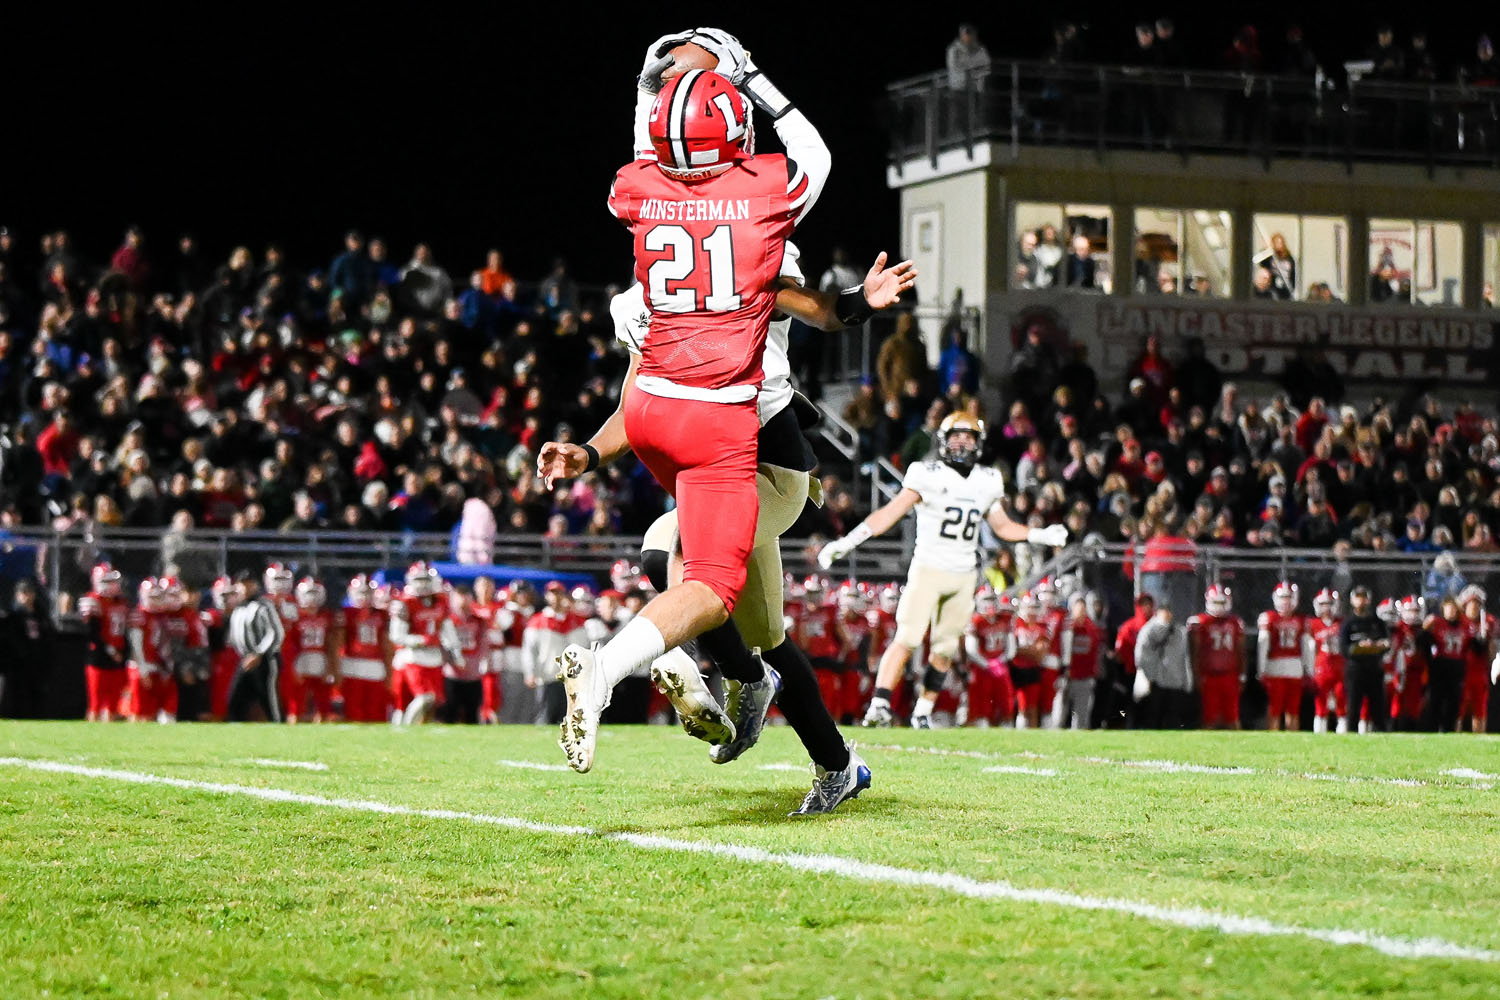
pixel 1447 638
pixel 991 696
pixel 186 647
pixel 1054 617
pixel 312 655
pixel 710 265
pixel 1412 648
pixel 153 689
pixel 424 640
pixel 1283 657
pixel 1082 647
pixel 1388 611
pixel 1030 643
pixel 1216 650
pixel 1328 662
pixel 549 632
pixel 360 636
pixel 490 606
pixel 224 662
pixel 464 685
pixel 853 603
pixel 823 636
pixel 1475 701
pixel 279 584
pixel 107 617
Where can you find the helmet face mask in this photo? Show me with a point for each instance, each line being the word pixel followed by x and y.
pixel 279 580
pixel 1284 598
pixel 422 581
pixel 1217 601
pixel 359 592
pixel 310 594
pixel 1411 608
pixel 960 437
pixel 1326 604
pixel 106 580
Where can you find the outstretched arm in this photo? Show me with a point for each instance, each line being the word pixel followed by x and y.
pixel 878 523
pixel 827 311
pixel 1007 530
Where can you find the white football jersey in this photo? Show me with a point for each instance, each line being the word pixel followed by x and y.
pixel 632 319
pixel 952 509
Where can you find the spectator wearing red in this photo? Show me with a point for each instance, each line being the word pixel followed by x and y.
pixel 130 258
pixel 58 445
pixel 1151 366
pixel 1310 426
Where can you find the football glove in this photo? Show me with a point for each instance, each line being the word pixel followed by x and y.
pixel 1053 536
pixel 657 60
pixel 733 60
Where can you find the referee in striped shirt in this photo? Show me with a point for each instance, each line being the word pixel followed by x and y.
pixel 255 633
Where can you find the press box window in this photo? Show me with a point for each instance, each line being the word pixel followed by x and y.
pixel 1182 252
pixel 1299 258
pixel 1061 246
pixel 1415 261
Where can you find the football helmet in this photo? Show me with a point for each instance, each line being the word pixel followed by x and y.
pixel 360 591
pixel 624 575
pixel 961 457
pixel 1046 595
pixel 699 125
pixel 173 597
pixel 150 593
pixel 1216 600
pixel 279 580
pixel 851 599
pixel 812 590
pixel 987 602
pixel 1412 609
pixel 422 580
pixel 890 597
pixel 220 592
pixel 310 594
pixel 1029 608
pixel 106 580
pixel 583 600
pixel 1326 603
pixel 1386 611
pixel 1284 597
pixel 381 597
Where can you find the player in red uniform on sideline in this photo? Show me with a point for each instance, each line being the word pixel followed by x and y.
pixel 186 648
pixel 1328 662
pixel 853 604
pixel 490 606
pixel 1412 649
pixel 107 616
pixel 991 695
pixel 223 661
pixel 153 689
pixel 709 221
pixel 1447 638
pixel 360 631
pixel 463 680
pixel 1030 642
pixel 1216 651
pixel 1055 617
pixel 823 637
pixel 280 583
pixel 424 640
pixel 1283 658
pixel 1082 647
pixel 311 655
pixel 1475 701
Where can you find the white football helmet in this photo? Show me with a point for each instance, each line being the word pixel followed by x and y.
pixel 279 580
pixel 1412 609
pixel 310 594
pixel 1386 611
pixel 1284 598
pixel 173 597
pixel 1046 595
pixel 106 580
pixel 1326 603
pixel 422 580
pixel 360 591
pixel 1217 600
pixel 987 602
pixel 890 597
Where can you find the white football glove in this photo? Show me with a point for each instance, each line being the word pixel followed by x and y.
pixel 1495 670
pixel 733 60
pixel 657 60
pixel 1142 686
pixel 833 552
pixel 1053 536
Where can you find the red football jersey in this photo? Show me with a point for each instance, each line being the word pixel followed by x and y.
pixel 153 635
pixel 1450 640
pixel 991 635
pixel 817 633
pixel 1218 643
pixel 1024 635
pixel 1087 644
pixel 1328 643
pixel 363 629
pixel 1056 619
pixel 1285 633
pixel 424 619
pixel 858 627
pixel 113 617
pixel 708 254
pixel 1481 634
pixel 309 633
pixel 882 629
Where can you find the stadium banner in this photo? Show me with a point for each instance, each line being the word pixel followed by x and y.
pixel 1255 340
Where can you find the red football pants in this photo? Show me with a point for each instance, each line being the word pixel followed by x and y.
pixel 490 686
pixel 424 680
pixel 1284 695
pixel 152 693
pixel 704 455
pixel 1475 701
pixel 1330 684
pixel 317 691
pixel 991 696
pixel 105 688
pixel 365 701
pixel 225 666
pixel 1221 699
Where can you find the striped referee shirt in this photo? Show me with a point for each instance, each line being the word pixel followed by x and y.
pixel 255 628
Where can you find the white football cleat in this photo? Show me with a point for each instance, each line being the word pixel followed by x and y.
pixel 878 715
pixel 832 788
pixel 747 706
pixel 420 710
pixel 1342 726
pixel 921 714
pixel 676 675
pixel 583 681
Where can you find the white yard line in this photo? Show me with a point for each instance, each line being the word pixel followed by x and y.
pixel 1469 772
pixel 1040 772
pixel 531 765
pixel 1185 767
pixel 300 765
pixel 1192 918
pixel 799 768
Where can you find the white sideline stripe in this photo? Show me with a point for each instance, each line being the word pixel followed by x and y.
pixel 301 765
pixel 1192 918
pixel 1183 767
pixel 1040 772
pixel 799 768
pixel 1469 772
pixel 531 765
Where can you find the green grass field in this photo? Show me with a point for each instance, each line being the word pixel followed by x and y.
pixel 113 886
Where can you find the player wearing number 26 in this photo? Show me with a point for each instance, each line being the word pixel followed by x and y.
pixel 952 496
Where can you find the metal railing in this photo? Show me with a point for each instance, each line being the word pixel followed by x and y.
pixel 62 561
pixel 1191 111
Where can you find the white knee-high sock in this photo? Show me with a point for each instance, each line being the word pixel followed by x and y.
pixel 634 646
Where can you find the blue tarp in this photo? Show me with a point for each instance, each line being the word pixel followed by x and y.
pixel 502 575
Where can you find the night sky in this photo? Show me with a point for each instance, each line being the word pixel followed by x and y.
pixel 467 132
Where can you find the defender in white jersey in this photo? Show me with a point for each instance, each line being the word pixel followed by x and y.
pixel 951 496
